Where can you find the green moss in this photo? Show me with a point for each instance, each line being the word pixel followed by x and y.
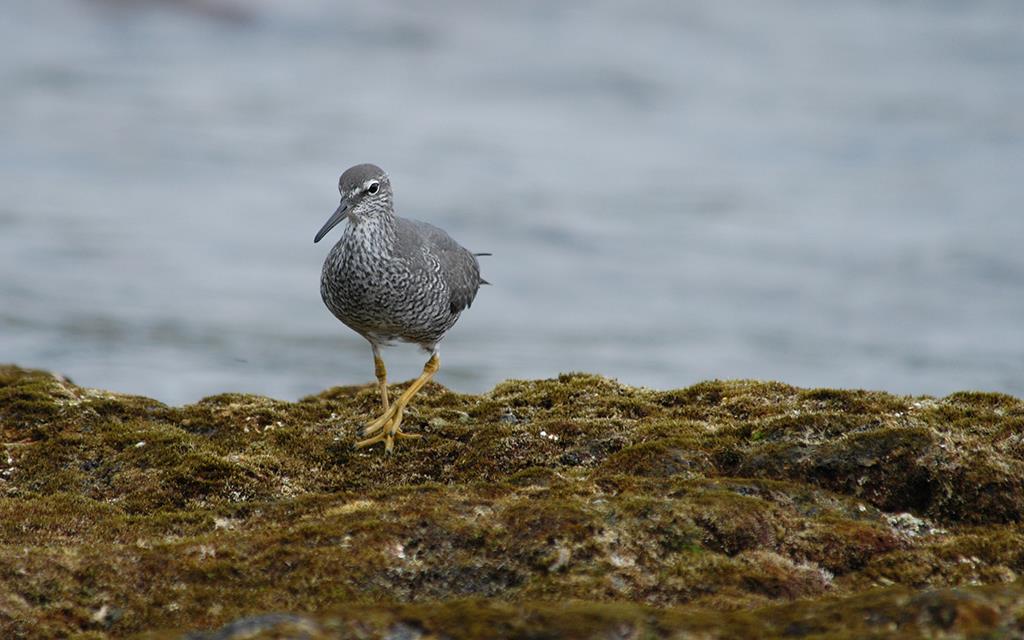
pixel 571 507
pixel 545 520
pixel 660 458
pixel 808 427
pixel 856 402
pixel 896 468
pixel 841 546
pixel 736 523
pixel 994 401
pixel 29 401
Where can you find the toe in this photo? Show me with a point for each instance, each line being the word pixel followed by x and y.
pixel 369 441
pixel 382 420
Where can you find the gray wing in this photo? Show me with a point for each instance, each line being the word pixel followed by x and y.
pixel 458 267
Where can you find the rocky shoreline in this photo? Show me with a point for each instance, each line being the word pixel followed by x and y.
pixel 575 507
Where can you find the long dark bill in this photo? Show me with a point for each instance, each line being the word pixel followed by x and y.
pixel 336 217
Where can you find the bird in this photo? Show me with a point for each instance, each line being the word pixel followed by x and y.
pixel 392 279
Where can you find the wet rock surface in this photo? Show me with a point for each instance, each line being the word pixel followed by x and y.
pixel 722 510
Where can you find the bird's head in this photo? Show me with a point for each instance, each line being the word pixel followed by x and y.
pixel 365 193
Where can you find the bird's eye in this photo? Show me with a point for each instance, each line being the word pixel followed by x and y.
pixel 373 188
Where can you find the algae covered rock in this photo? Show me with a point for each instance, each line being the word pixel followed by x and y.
pixel 575 507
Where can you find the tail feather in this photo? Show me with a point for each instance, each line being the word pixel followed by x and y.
pixel 482 281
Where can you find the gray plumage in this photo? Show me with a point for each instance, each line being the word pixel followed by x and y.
pixel 391 278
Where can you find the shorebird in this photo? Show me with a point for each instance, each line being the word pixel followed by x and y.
pixel 393 279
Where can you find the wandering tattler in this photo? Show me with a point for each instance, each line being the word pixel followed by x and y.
pixel 390 278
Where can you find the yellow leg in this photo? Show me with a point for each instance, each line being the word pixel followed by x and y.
pixel 382 377
pixel 389 424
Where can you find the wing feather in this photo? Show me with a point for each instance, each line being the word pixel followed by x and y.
pixel 459 268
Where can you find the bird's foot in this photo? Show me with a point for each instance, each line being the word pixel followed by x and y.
pixel 390 422
pixel 389 427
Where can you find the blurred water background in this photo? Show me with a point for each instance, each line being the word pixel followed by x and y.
pixel 825 193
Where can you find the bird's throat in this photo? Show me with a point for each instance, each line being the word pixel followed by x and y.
pixel 375 231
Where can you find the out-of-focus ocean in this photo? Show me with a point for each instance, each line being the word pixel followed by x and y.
pixel 824 193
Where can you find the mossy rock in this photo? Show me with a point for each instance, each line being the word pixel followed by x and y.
pixel 575 507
